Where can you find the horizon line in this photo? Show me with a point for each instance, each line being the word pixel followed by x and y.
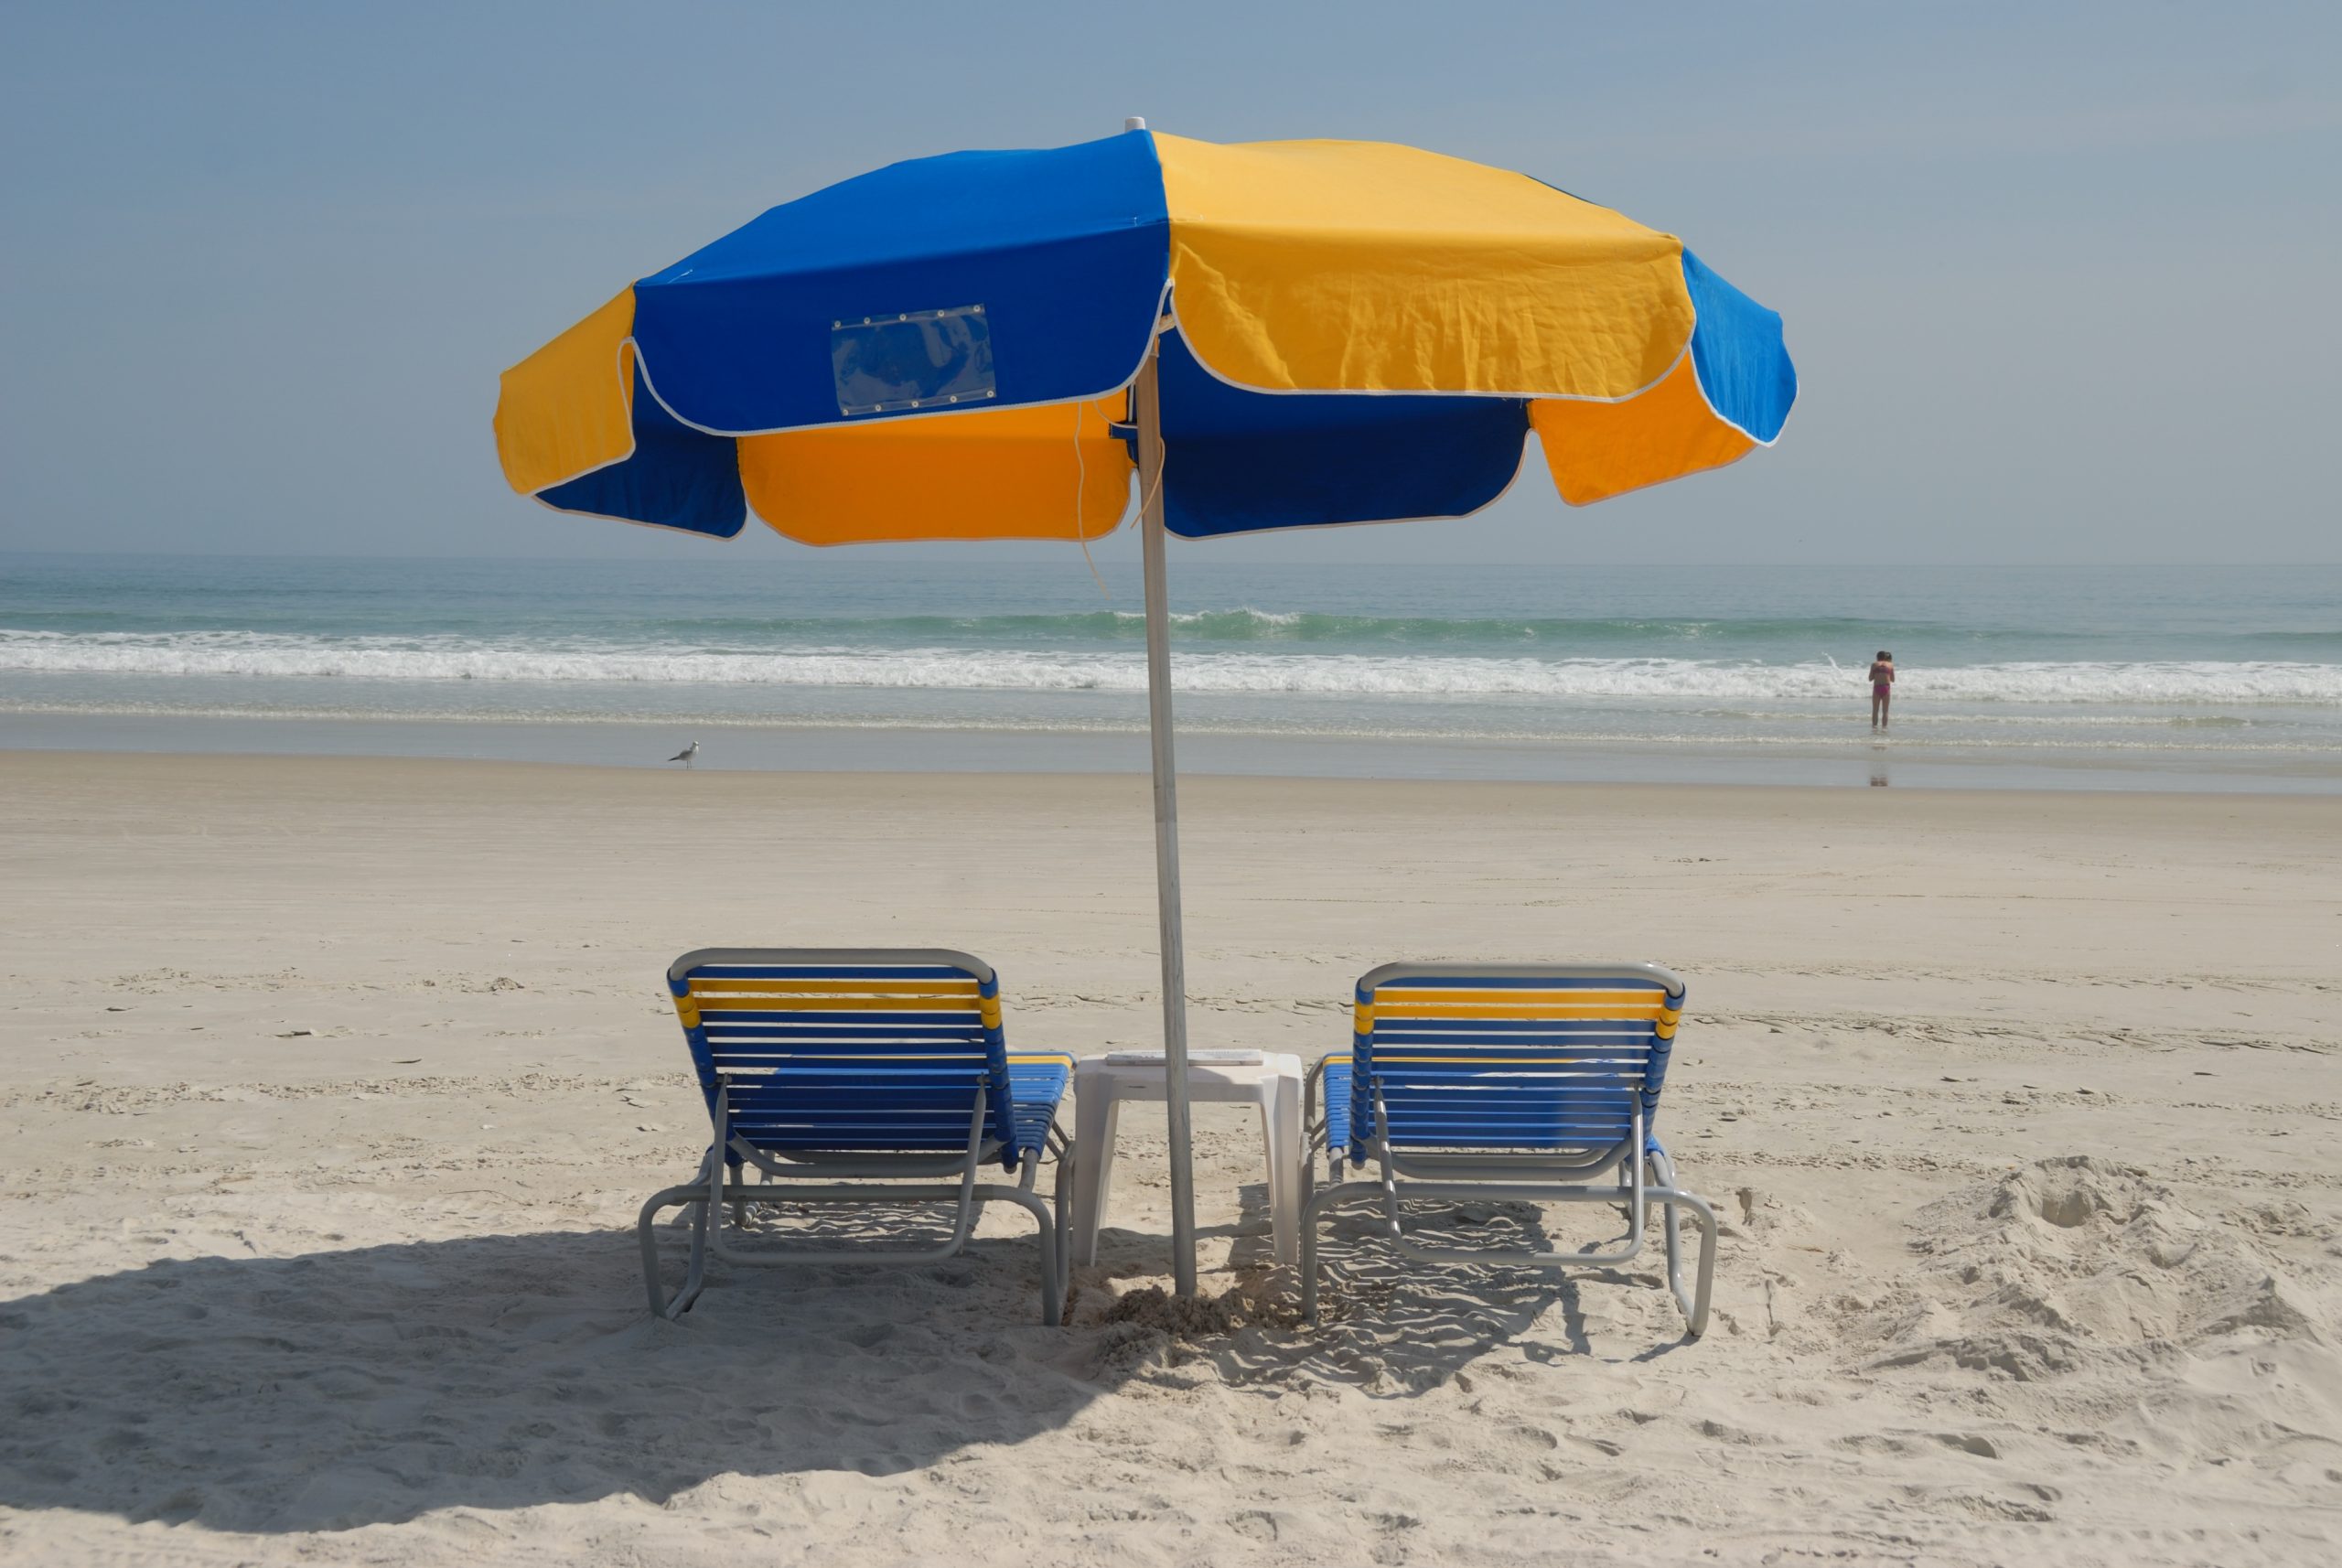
pixel 1677 563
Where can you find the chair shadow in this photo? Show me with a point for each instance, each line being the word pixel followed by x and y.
pixel 374 1384
pixel 1408 1325
pixel 1396 1326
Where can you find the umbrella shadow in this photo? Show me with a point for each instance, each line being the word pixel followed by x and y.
pixel 374 1384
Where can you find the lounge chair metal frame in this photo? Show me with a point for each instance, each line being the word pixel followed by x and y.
pixel 1644 1175
pixel 811 1176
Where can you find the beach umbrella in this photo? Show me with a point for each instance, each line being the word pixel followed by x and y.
pixel 994 344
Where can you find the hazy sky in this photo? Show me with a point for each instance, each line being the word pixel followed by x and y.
pixel 2060 280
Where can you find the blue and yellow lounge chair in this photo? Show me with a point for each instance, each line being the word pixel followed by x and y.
pixel 849 1075
pixel 1495 1081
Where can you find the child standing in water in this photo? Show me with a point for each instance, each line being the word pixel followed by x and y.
pixel 1882 688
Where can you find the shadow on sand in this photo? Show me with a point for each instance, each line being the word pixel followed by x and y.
pixel 374 1384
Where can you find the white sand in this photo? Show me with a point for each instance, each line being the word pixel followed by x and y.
pixel 2024 1109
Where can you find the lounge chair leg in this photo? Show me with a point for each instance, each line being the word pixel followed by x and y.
pixel 1054 1268
pixel 694 1194
pixel 706 1233
pixel 1695 1311
pixel 1696 1314
pixel 1052 1281
pixel 1045 1231
pixel 1663 1177
pixel 648 1244
pixel 1046 1228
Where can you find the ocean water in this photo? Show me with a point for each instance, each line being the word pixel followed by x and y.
pixel 2106 677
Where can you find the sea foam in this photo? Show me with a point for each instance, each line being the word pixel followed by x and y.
pixel 1412 674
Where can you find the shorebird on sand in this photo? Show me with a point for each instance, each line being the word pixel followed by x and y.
pixel 688 756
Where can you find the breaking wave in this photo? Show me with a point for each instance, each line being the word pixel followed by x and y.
pixel 1208 670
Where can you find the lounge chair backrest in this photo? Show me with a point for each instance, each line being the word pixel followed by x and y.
pixel 1532 1057
pixel 848 1050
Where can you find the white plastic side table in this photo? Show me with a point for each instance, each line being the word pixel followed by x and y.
pixel 1102 1084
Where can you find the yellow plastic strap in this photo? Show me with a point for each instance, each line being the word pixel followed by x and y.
pixel 839 987
pixel 1465 1011
pixel 1577 995
pixel 737 1003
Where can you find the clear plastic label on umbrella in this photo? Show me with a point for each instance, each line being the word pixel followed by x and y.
pixel 919 359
